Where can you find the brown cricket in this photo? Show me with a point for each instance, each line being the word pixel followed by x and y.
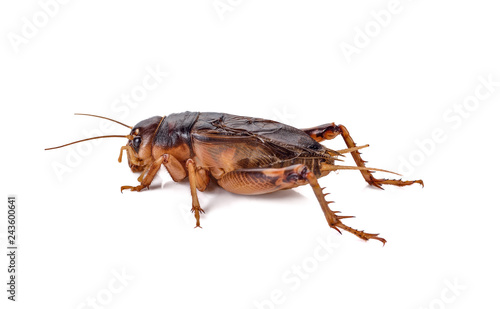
pixel 243 155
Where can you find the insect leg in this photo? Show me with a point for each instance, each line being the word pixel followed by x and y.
pixel 330 131
pixel 202 179
pixel 147 176
pixel 191 167
pixel 323 132
pixel 174 167
pixel 265 180
pixel 254 181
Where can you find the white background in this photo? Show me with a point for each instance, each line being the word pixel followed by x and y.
pixel 272 59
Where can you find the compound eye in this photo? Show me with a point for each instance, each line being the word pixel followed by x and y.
pixel 136 142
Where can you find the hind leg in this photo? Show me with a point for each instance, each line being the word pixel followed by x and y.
pixel 266 180
pixel 331 130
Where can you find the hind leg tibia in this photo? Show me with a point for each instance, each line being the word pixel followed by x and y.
pixel 331 130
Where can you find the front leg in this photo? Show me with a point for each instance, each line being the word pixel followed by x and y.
pixel 147 176
pixel 174 168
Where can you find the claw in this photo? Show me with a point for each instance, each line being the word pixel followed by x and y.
pixel 374 236
pixel 193 209
pixel 336 228
pixel 375 183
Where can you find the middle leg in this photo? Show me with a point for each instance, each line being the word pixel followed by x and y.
pixel 193 184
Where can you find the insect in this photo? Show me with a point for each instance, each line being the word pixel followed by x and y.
pixel 243 155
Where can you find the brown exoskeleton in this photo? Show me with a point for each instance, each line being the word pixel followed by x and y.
pixel 244 155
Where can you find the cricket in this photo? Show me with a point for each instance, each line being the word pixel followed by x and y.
pixel 243 155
